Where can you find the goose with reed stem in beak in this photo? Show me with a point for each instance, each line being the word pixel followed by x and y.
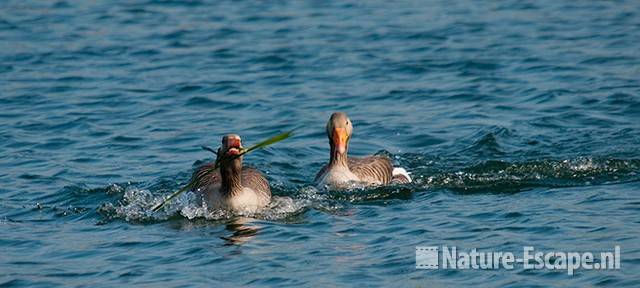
pixel 232 187
pixel 341 171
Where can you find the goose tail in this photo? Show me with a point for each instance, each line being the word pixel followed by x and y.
pixel 400 176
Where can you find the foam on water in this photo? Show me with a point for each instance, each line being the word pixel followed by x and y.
pixel 136 206
pixel 499 176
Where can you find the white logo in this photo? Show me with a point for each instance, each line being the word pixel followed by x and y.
pixel 427 257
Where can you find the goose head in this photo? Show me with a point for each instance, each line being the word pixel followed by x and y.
pixel 231 147
pixel 339 131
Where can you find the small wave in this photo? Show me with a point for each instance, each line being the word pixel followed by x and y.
pixel 487 146
pixel 205 102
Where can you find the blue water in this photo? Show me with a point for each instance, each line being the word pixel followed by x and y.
pixel 517 119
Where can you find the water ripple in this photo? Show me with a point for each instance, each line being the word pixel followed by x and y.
pixel 517 119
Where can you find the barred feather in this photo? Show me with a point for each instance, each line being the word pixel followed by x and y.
pixel 372 169
pixel 205 177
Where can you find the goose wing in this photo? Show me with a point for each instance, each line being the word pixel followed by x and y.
pixel 372 169
pixel 205 176
pixel 254 179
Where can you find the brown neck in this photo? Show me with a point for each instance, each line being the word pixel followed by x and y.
pixel 231 183
pixel 337 159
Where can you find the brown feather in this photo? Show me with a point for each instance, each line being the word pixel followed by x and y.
pixel 255 180
pixel 372 168
pixel 251 178
pixel 203 176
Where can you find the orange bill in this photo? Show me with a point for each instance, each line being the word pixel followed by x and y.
pixel 340 138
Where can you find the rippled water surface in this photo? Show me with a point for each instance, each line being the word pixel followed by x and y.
pixel 518 121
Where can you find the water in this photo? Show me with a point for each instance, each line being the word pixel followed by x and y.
pixel 518 121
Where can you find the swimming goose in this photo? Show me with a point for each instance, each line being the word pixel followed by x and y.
pixel 342 170
pixel 232 187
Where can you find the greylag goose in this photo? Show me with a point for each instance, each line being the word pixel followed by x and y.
pixel 343 171
pixel 232 187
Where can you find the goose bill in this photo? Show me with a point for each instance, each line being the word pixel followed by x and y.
pixel 340 138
